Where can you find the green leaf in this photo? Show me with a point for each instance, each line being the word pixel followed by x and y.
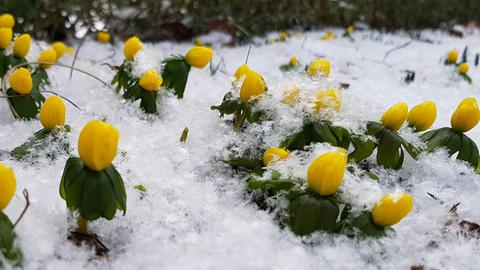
pixel 32 144
pixel 363 224
pixel 245 163
pixel 39 78
pixel 27 106
pixel 133 92
pixel 309 213
pixel 8 245
pixel 363 150
pixel 148 101
pixel 229 105
pixel 175 74
pixel 124 78
pixel 270 185
pixel 438 139
pixel 469 151
pixel 389 153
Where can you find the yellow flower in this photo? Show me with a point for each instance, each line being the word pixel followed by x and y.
pixel 21 46
pixel 391 209
pixel 60 48
pixel 103 37
pixel 328 36
pixel 452 56
pixel 198 42
pixel 97 144
pixel 150 80
pixel 321 66
pixel 8 184
pixel 294 61
pixel 69 50
pixel 466 116
pixel 252 86
pixel 241 71
pixel 199 56
pixel 463 68
pixel 291 95
pixel 52 113
pixel 327 100
pixel 21 81
pixel 349 29
pixel 395 116
pixel 274 154
pixel 6 35
pixel 7 20
pixel 282 36
pixel 422 116
pixel 132 47
pixel 47 56
pixel 325 174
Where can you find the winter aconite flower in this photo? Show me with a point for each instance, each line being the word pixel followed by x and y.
pixel 282 36
pixel 47 56
pixel 103 37
pixel 319 66
pixel 241 71
pixel 21 46
pixel 325 174
pixel 252 86
pixel 132 47
pixel 395 116
pixel 97 144
pixel 8 184
pixel 199 56
pixel 6 35
pixel 150 80
pixel 52 113
pixel 391 209
pixel 21 81
pixel 327 99
pixel 7 20
pixel 274 154
pixel 293 61
pixel 291 95
pixel 422 116
pixel 452 56
pixel 466 116
pixel 60 48
pixel 463 68
pixel 349 29
pixel 328 36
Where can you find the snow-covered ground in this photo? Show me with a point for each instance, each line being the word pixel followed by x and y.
pixel 195 214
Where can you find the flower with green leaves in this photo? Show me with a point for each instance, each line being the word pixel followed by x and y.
pixel 145 89
pixel 24 98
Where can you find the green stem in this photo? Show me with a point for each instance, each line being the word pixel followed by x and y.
pixel 240 118
pixel 82 225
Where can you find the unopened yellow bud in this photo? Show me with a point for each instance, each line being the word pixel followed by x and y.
pixel 294 61
pixel 274 154
pixel 199 56
pixel 395 116
pixel 319 66
pixel 252 86
pixel 241 71
pixel 463 68
pixel 349 29
pixel 21 81
pixel 422 116
pixel 282 36
pixel 391 209
pixel 97 144
pixel 198 42
pixel 60 48
pixel 132 47
pixel 47 56
pixel 21 46
pixel 325 174
pixel 103 37
pixel 466 116
pixel 327 100
pixel 328 36
pixel 8 184
pixel 452 56
pixel 150 80
pixel 53 112
pixel 6 35
pixel 7 20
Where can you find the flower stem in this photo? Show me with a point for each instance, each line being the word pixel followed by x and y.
pixel 82 225
pixel 240 119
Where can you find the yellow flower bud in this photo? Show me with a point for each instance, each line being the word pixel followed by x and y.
pixel 241 71
pixel 21 81
pixel 328 36
pixel 391 209
pixel 97 144
pixel 327 100
pixel 294 61
pixel 69 50
pixel 321 66
pixel 6 35
pixel 349 29
pixel 47 56
pixel 8 184
pixel 7 20
pixel 132 47
pixel 199 56
pixel 60 48
pixel 103 37
pixel 150 80
pixel 395 116
pixel 21 46
pixel 452 56
pixel 463 68
pixel 422 116
pixel 52 113
pixel 274 154
pixel 466 116
pixel 198 42
pixel 325 174
pixel 252 86
pixel 282 36
pixel 291 95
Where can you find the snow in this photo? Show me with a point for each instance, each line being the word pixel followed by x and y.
pixel 196 215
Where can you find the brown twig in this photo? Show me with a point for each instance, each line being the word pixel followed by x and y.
pixel 27 204
pixel 76 53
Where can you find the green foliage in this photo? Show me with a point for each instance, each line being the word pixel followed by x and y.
pixel 10 250
pixel 124 78
pixel 94 194
pixel 290 67
pixel 245 163
pixel 27 106
pixel 38 142
pixel 175 74
pixel 148 99
pixel 242 111
pixel 39 78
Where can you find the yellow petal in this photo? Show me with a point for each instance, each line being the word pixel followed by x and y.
pixel 325 174
pixel 319 66
pixel 21 81
pixel 422 116
pixel 7 20
pixel 274 154
pixel 103 37
pixel 6 35
pixel 391 209
pixel 8 184
pixel 395 116
pixel 132 47
pixel 60 48
pixel 291 95
pixel 241 71
pixel 199 56
pixel 327 100
pixel 53 112
pixel 47 56
pixel 252 86
pixel 452 56
pixel 21 46
pixel 150 80
pixel 466 116
pixel 463 68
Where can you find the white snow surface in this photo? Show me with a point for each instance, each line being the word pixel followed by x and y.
pixel 196 214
